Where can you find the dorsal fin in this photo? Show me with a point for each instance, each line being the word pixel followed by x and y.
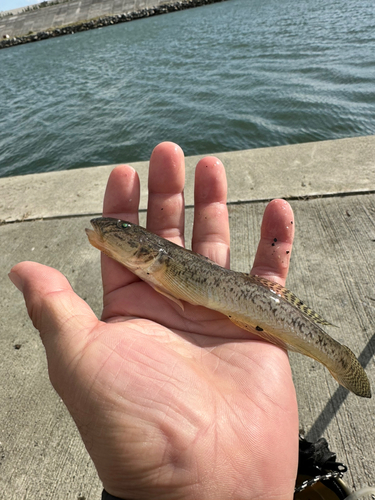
pixel 291 298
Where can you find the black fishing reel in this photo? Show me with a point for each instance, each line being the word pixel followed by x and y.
pixel 320 476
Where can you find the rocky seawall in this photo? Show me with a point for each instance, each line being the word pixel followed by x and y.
pixel 100 22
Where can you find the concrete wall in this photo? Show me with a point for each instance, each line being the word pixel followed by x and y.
pixel 67 13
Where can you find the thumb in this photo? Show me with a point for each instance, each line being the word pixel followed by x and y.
pixel 63 319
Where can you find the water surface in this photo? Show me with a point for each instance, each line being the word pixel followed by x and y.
pixel 234 75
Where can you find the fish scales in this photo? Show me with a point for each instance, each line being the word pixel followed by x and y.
pixel 253 303
pixel 265 309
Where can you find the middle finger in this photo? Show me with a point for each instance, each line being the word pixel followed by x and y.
pixel 166 179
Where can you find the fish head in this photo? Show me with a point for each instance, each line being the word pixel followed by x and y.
pixel 123 241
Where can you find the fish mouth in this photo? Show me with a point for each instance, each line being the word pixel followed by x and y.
pixel 95 235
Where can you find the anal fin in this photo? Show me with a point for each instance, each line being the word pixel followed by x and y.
pixel 257 330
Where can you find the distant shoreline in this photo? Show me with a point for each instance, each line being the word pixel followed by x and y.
pixel 101 22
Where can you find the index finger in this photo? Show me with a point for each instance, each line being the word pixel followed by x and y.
pixel 121 201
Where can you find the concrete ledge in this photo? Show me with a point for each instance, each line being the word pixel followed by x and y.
pixel 303 170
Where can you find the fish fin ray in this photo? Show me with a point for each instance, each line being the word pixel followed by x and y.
pixel 162 291
pixel 291 298
pixel 354 378
pixel 260 332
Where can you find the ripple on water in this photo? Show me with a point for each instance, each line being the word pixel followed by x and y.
pixel 229 76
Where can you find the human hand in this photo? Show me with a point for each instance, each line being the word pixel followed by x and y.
pixel 172 404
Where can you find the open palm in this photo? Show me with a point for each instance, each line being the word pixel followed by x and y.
pixel 172 403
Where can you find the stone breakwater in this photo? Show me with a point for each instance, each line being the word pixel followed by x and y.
pixel 101 22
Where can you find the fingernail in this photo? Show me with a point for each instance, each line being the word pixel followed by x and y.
pixel 16 280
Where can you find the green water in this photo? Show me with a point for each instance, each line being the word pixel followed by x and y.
pixel 234 75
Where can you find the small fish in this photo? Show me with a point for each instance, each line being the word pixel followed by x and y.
pixel 251 302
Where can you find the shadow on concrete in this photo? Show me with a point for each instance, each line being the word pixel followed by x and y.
pixel 333 405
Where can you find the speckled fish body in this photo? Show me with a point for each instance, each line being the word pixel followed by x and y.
pixel 252 303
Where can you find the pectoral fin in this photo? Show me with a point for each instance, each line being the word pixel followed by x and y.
pixel 162 291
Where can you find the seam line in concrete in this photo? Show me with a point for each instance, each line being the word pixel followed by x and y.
pixel 229 203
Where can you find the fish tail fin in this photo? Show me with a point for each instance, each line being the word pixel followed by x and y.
pixel 353 377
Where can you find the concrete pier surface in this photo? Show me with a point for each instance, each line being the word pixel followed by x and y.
pixel 331 187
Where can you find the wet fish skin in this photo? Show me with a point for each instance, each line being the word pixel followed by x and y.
pixel 249 301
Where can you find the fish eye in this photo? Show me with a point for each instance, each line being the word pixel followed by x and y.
pixel 122 224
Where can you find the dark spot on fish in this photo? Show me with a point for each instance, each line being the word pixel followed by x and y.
pixel 291 222
pixel 162 208
pixel 143 251
pixel 229 316
pixel 344 363
pixel 275 239
pixel 258 329
pixel 273 244
pixel 287 252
